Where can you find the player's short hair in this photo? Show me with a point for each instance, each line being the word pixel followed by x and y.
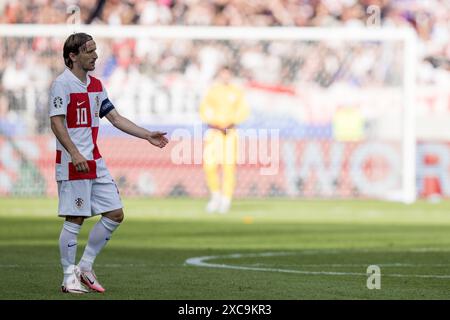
pixel 73 44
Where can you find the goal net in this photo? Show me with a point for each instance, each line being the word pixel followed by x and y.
pixel 332 110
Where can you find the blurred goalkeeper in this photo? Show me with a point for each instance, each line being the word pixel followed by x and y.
pixel 223 107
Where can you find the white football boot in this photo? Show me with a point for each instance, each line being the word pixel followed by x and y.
pixel 214 203
pixel 73 284
pixel 90 280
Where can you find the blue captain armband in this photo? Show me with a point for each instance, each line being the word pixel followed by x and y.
pixel 106 107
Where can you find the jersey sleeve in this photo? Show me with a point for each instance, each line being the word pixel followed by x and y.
pixel 58 99
pixel 106 105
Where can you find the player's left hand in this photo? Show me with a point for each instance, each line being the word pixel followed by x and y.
pixel 158 139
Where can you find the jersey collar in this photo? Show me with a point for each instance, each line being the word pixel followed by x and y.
pixel 74 77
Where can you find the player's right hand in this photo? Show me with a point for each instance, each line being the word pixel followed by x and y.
pixel 80 163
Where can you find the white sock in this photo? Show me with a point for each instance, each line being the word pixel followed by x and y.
pixel 98 237
pixel 68 246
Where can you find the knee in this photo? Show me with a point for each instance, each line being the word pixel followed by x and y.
pixel 76 220
pixel 116 215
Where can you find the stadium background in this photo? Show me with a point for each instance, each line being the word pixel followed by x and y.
pixel 159 85
pixel 275 245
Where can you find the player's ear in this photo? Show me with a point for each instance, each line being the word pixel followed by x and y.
pixel 73 57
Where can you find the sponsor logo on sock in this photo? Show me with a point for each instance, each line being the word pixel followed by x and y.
pixel 71 245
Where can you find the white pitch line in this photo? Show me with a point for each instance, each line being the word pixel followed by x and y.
pixel 337 265
pixel 9 265
pixel 200 262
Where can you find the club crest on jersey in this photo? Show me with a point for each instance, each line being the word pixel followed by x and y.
pixel 79 203
pixel 57 102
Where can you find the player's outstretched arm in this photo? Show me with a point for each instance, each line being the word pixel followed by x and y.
pixel 156 138
pixel 60 131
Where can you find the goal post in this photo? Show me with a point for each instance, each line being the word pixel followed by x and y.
pixel 342 100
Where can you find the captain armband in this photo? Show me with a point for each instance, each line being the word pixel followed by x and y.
pixel 106 107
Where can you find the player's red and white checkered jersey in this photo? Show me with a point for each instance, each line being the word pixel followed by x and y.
pixel 83 105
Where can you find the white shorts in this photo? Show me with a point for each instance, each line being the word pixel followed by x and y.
pixel 88 197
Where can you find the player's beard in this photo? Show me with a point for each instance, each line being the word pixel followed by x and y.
pixel 90 66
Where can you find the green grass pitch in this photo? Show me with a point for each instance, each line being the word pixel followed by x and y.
pixel 263 249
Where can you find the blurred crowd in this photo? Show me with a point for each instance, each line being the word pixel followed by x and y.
pixel 33 63
pixel 424 15
pixel 430 18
